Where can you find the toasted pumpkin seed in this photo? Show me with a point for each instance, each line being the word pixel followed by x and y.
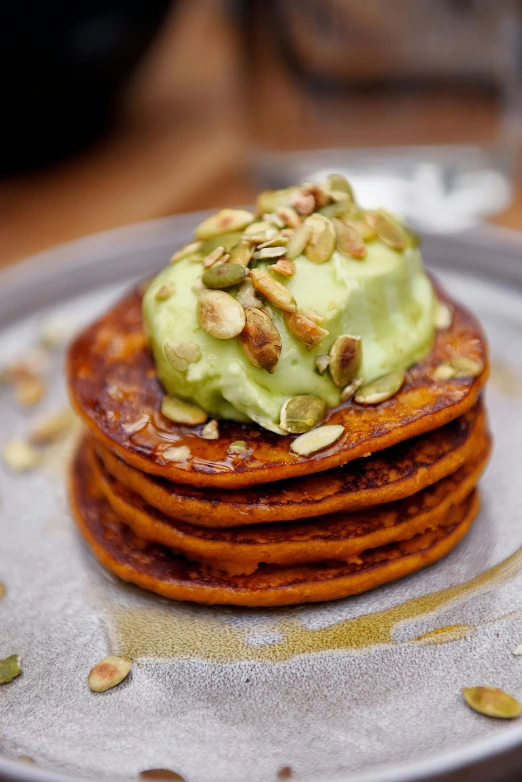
pixel 2 590
pixel 349 390
pixel 216 255
pixel 298 241
pixel 246 295
pixel 165 291
pixel 380 390
pixel 220 315
pixel 319 193
pixel 321 363
pixel 224 275
pixel 108 673
pixel 345 359
pixel 211 430
pixel 272 200
pixel 20 456
pixel 492 702
pixel 261 340
pixel 260 227
pixel 178 453
pixel 52 428
pixel 349 240
pixel 10 668
pixel 321 244
pixel 339 183
pixel 289 216
pixel 305 329
pixel 241 254
pixel 387 230
pixel 303 203
pixel 238 447
pixel 222 222
pixel 273 291
pixel 461 366
pixel 317 439
pixel 181 354
pixel 269 252
pixel 187 249
pixel 443 316
pixel 284 267
pixel 182 412
pixel 300 413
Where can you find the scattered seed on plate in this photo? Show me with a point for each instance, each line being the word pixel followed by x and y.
pixel 30 391
pixel 52 428
pixel 108 673
pixel 492 702
pixel 10 668
pixel 20 456
pixel 55 333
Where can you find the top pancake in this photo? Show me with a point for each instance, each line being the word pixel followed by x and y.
pixel 114 387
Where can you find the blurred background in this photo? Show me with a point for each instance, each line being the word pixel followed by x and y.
pixel 120 111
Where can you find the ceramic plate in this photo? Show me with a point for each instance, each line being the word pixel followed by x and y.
pixel 357 689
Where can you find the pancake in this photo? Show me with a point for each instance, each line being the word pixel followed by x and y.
pixel 167 573
pixel 335 537
pixel 398 472
pixel 114 387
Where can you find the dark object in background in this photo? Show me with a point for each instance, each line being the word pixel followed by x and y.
pixel 61 67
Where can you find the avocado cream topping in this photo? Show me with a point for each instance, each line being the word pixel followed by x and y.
pixel 308 299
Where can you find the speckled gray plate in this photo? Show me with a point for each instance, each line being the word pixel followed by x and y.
pixel 340 691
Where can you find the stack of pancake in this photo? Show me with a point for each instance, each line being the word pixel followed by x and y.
pixel 243 519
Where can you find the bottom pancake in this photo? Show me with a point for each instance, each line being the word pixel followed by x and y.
pixel 167 573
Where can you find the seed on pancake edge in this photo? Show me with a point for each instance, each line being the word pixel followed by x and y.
pixel 176 453
pixel 181 354
pixel 304 328
pixel 461 366
pixel 20 456
pixel 260 340
pixel 182 412
pixel 222 222
pixel 238 447
pixel 108 673
pixel 380 390
pixel 10 668
pixel 301 413
pixel 321 363
pixel 345 359
pixel 187 249
pixel 273 291
pixel 165 291
pixel 316 439
pixel 443 316
pixel 211 430
pixel 224 275
pixel 321 244
pixel 349 390
pixel 220 315
pixel 492 702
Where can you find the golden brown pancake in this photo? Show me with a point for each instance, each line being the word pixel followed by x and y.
pixel 336 537
pixel 390 475
pixel 114 387
pixel 167 573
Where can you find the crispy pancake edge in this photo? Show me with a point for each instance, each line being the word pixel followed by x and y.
pixel 411 464
pixel 111 357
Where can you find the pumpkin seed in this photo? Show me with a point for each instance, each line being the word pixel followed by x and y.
pixel 262 237
pixel 10 668
pixel 108 673
pixel 246 295
pixel 443 316
pixel 269 252
pixel 339 183
pixel 30 391
pixel 349 240
pixel 260 340
pixel 380 390
pixel 187 249
pixel 298 241
pixel 321 244
pixel 165 291
pixel 182 412
pixel 277 241
pixel 181 354
pixel 340 209
pixel 361 225
pixel 211 430
pixel 303 203
pixel 345 359
pixel 316 440
pixel 52 428
pixel 289 216
pixel 220 315
pixel 349 390
pixel 461 366
pixel 387 230
pixel 226 275
pixel 55 332
pixel 305 329
pixel 301 413
pixel 224 221
pixel 176 454
pixel 284 267
pixel 492 702
pixel 241 254
pixel 259 227
pixel 321 363
pixel 274 219
pixel 319 193
pixel 272 200
pixel 2 590
pixel 216 255
pixel 20 456
pixel 238 447
pixel 273 291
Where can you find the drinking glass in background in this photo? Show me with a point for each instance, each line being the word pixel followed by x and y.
pixel 418 102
